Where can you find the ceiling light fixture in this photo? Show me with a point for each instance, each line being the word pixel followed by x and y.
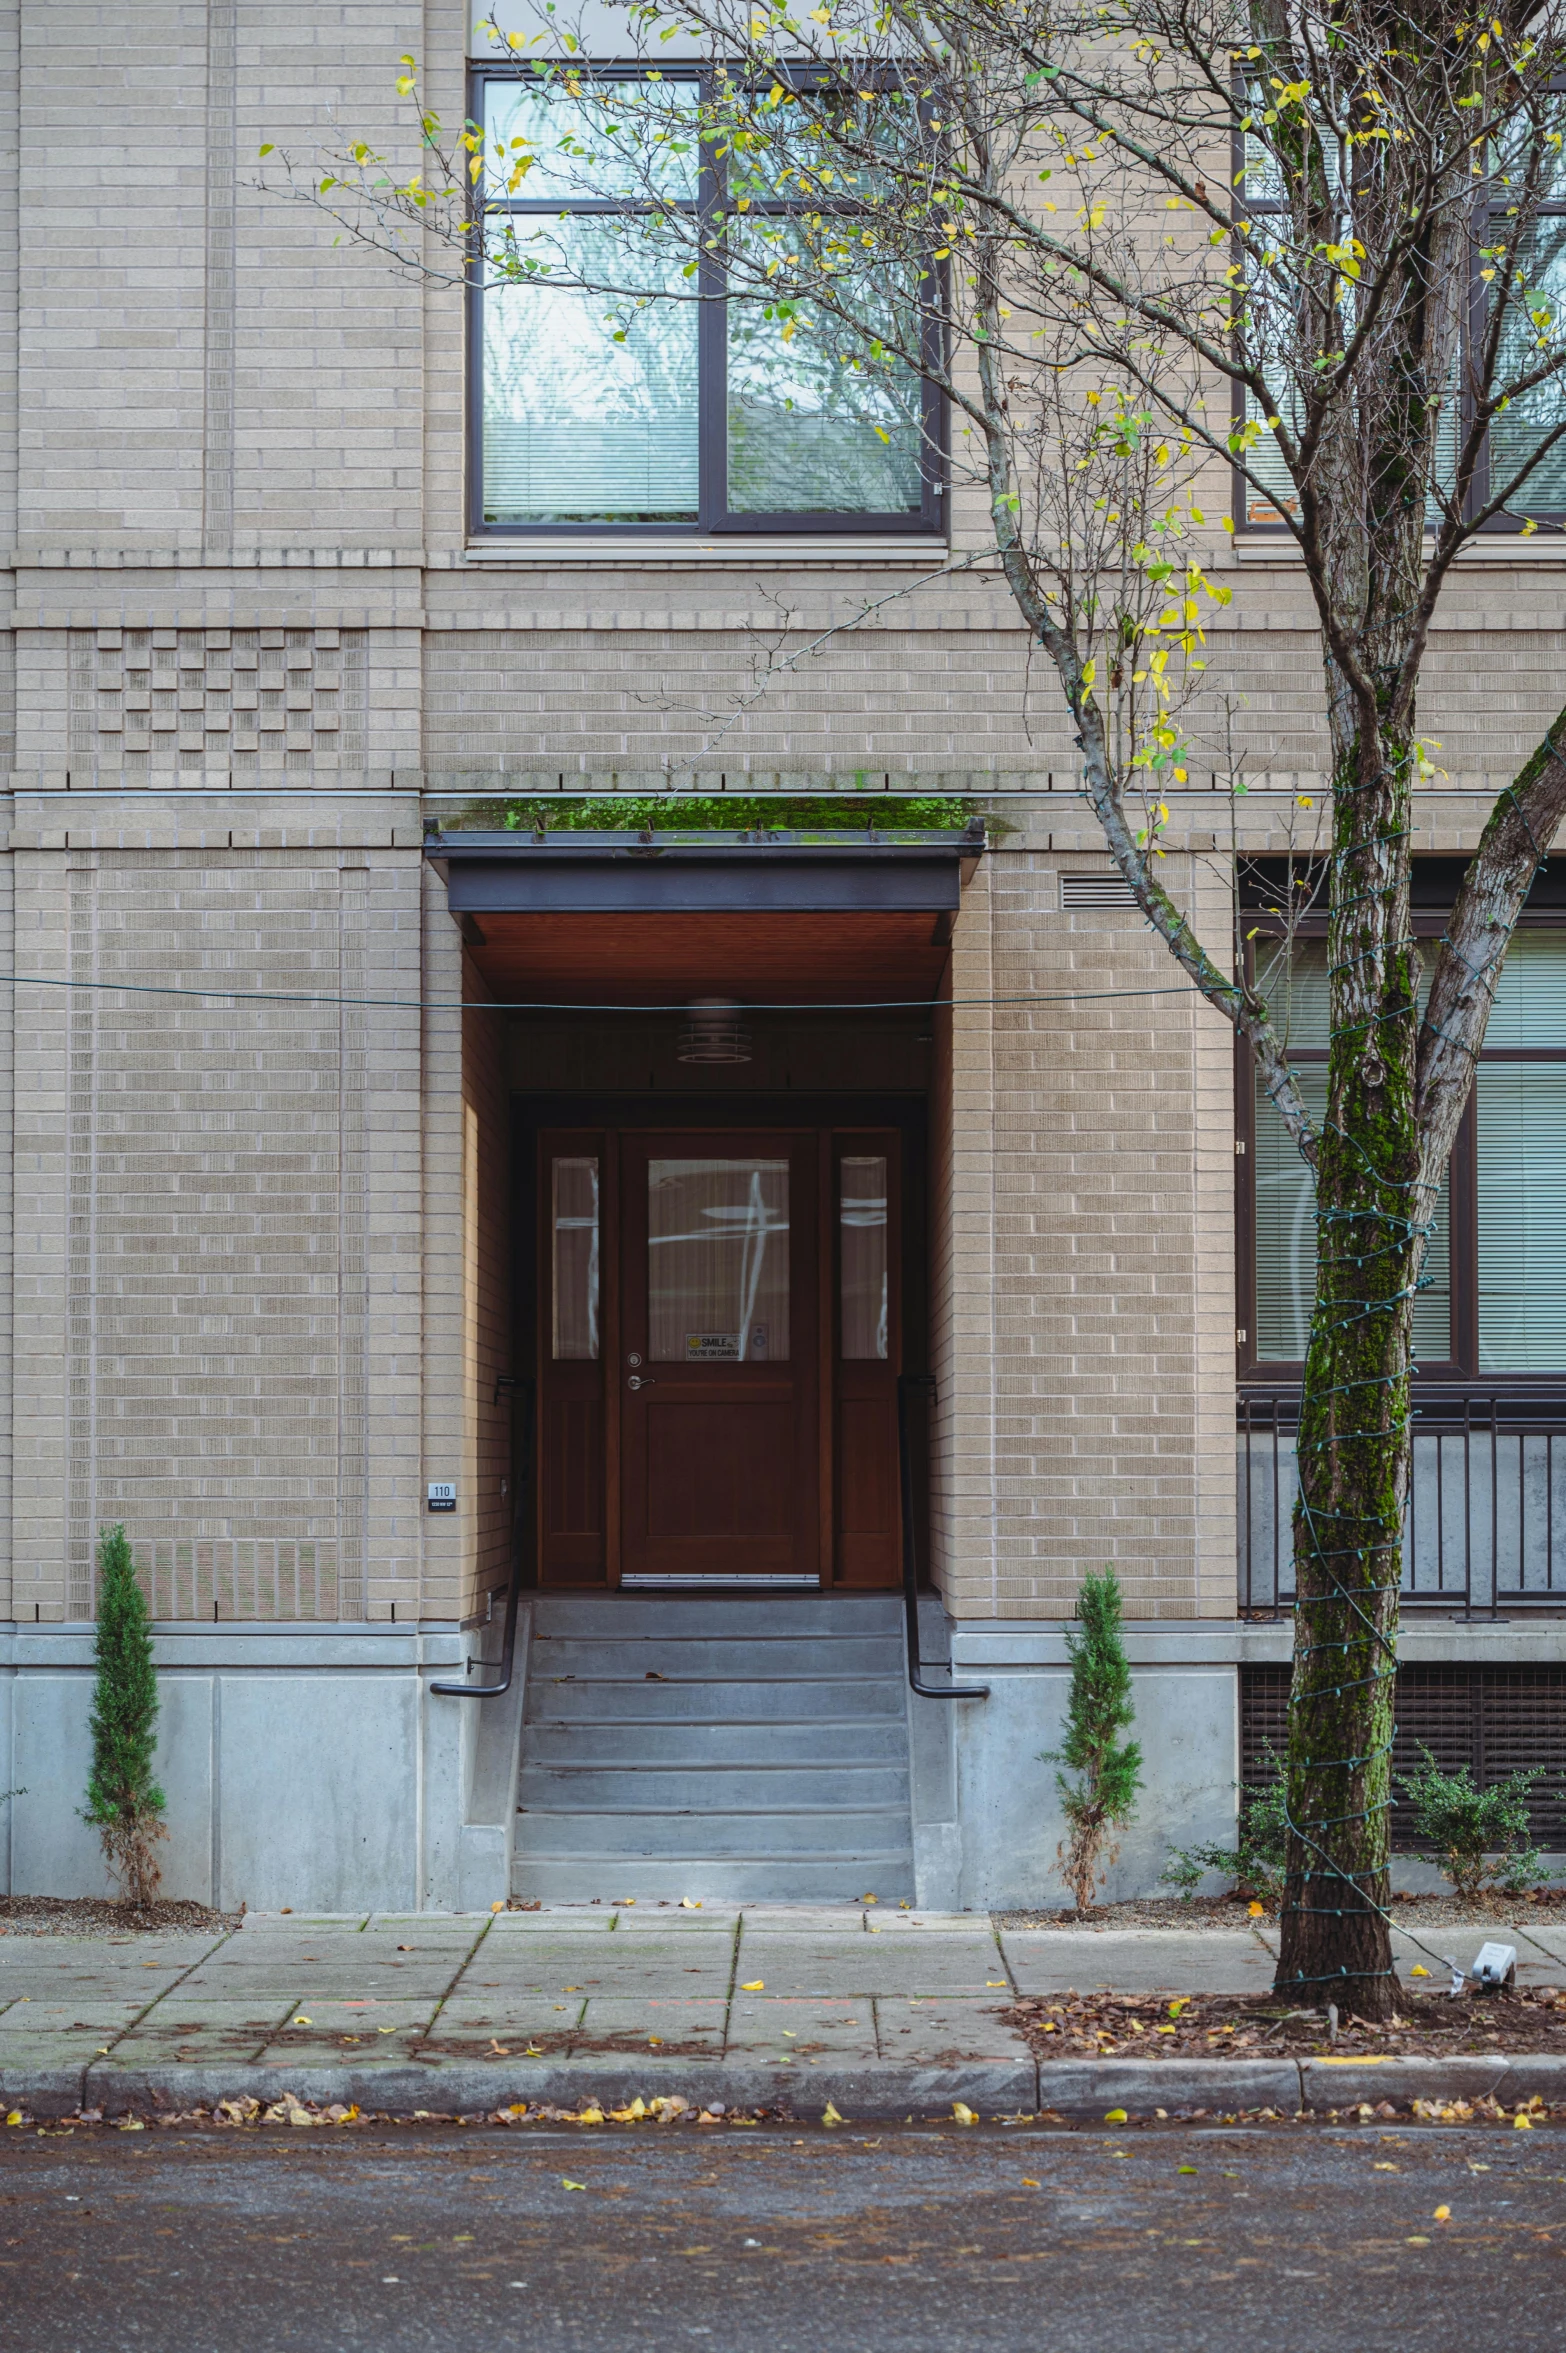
pixel 714 1032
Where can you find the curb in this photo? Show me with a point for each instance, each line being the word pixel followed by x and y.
pixel 1079 2090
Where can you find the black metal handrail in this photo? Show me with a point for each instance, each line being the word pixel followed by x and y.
pixel 907 1383
pixel 521 1388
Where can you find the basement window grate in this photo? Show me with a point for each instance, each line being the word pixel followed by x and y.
pixel 1495 1720
pixel 1094 890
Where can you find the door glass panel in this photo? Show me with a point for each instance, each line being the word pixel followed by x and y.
pixel 717 1261
pixel 574 1216
pixel 862 1255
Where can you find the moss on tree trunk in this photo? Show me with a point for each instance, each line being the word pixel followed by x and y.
pixel 1354 1443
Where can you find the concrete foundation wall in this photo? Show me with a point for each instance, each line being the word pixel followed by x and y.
pixel 301 1768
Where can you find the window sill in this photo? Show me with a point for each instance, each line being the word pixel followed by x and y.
pixel 695 554
pixel 1492 547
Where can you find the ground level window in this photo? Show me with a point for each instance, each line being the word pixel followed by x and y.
pixel 1495 1299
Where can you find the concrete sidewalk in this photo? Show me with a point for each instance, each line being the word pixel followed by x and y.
pixel 884 2013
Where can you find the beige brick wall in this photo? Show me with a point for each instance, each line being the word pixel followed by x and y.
pixel 217 1202
pixel 1084 1263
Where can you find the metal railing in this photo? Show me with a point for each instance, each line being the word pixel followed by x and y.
pixel 525 1456
pixel 909 1386
pixel 1485 1529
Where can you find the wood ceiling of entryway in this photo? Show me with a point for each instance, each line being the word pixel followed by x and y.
pixel 855 957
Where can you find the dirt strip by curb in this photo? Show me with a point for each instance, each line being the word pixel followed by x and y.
pixel 1081 2090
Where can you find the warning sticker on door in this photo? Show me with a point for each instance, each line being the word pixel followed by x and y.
pixel 726 1348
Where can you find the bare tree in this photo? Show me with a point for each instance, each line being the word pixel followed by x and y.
pixel 1137 251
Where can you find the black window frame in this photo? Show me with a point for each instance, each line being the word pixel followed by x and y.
pixel 1459 1372
pixel 714 517
pixel 1489 208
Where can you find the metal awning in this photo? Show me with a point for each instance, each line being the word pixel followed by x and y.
pixel 608 873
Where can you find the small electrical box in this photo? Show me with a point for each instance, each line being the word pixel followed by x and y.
pixel 442 1495
pixel 1495 1966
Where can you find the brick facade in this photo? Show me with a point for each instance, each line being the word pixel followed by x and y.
pixel 253 1254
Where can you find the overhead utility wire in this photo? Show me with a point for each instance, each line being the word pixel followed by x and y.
pixel 137 988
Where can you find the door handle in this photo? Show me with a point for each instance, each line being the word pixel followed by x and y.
pixel 639 1381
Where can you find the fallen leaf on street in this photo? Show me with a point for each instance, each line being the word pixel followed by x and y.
pixel 571 2185
pixel 1443 2214
pixel 963 2113
pixel 688 1905
pixel 1418 1971
pixel 1114 2116
pixel 829 2114
pixel 1031 2185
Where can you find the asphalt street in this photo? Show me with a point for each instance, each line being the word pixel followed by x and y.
pixel 1297 2237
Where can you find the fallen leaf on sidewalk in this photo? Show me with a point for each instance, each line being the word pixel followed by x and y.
pixel 829 2114
pixel 757 1985
pixel 571 2185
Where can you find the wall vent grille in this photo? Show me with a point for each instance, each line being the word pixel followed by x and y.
pixel 1493 1719
pixel 1094 890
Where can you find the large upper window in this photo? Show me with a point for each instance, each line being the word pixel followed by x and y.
pixel 621 382
pixel 1522 426
pixel 1495 1300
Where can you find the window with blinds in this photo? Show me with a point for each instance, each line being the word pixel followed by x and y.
pixel 1501 1274
pixel 647 404
pixel 1267 493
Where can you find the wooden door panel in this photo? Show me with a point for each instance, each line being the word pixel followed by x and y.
pixel 571 1449
pixel 720 1469
pixel 718 1370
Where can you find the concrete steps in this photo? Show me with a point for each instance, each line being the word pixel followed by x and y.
pixel 727 1747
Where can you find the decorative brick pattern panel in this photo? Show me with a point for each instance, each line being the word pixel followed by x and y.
pixel 233 701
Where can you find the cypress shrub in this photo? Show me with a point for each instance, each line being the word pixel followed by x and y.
pixel 1108 1774
pixel 124 1803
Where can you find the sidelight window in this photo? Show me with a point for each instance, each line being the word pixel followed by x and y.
pixel 575 1240
pixel 862 1255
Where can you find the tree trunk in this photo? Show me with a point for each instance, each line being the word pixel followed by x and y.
pixel 1354 1442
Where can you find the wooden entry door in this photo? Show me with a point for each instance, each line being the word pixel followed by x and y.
pixel 719 1370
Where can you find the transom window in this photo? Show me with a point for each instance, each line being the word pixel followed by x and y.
pixel 660 401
